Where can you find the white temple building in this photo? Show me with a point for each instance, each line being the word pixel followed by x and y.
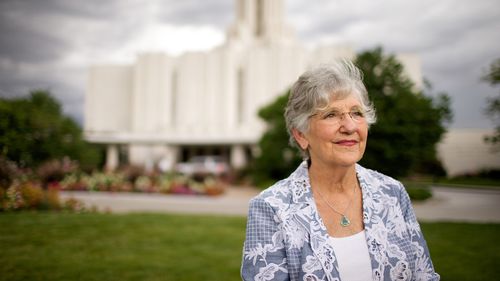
pixel 164 109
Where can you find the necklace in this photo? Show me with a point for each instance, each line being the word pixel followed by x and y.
pixel 344 220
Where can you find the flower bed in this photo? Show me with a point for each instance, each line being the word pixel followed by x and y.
pixel 39 189
pixel 29 195
pixel 153 183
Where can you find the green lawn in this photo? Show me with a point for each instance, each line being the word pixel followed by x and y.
pixel 464 251
pixel 49 246
pixel 119 247
pixel 457 182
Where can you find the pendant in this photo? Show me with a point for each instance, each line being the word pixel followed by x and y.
pixel 344 221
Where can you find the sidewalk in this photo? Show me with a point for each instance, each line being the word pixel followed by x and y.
pixel 460 204
pixel 447 204
pixel 234 201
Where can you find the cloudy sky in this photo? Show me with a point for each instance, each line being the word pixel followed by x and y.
pixel 49 44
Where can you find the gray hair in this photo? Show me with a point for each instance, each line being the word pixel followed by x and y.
pixel 314 90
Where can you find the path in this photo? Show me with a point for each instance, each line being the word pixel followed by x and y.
pixel 447 204
pixel 458 204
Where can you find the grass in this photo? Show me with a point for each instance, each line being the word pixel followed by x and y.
pixel 485 180
pixel 470 183
pixel 119 247
pixel 464 251
pixel 50 246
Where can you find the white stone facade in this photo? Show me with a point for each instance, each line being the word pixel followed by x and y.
pixel 464 151
pixel 162 109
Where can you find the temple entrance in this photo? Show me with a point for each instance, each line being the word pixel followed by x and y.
pixel 187 152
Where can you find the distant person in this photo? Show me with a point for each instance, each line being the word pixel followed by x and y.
pixel 332 219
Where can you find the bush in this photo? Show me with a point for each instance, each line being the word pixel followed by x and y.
pixel 35 129
pixel 493 174
pixel 29 195
pixel 8 172
pixel 418 192
pixel 55 170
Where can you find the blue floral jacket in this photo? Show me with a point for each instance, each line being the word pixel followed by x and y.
pixel 286 238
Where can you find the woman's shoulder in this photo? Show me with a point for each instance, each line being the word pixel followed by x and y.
pixel 285 190
pixel 377 179
pixel 280 190
pixel 383 185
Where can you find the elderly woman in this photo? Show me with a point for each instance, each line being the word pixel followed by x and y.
pixel 332 219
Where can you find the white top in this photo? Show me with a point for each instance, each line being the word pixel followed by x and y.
pixel 352 257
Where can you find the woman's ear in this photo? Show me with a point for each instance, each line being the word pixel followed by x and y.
pixel 300 138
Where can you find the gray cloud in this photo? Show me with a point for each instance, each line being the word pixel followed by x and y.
pixel 22 42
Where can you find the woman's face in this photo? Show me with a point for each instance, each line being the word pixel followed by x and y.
pixel 337 135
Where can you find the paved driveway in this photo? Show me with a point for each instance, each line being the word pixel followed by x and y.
pixel 233 202
pixel 447 204
pixel 457 204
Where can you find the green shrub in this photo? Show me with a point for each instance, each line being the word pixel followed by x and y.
pixel 55 170
pixel 419 193
pixel 8 172
pixel 30 195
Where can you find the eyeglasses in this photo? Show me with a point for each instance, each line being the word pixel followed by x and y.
pixel 334 116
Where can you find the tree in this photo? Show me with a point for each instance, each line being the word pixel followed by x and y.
pixel 277 158
pixel 493 108
pixel 403 140
pixel 409 125
pixel 34 130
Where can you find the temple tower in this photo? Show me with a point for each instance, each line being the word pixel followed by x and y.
pixel 260 22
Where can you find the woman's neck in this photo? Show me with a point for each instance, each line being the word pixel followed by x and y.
pixel 329 179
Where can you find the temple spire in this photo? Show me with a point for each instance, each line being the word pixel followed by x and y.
pixel 260 21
